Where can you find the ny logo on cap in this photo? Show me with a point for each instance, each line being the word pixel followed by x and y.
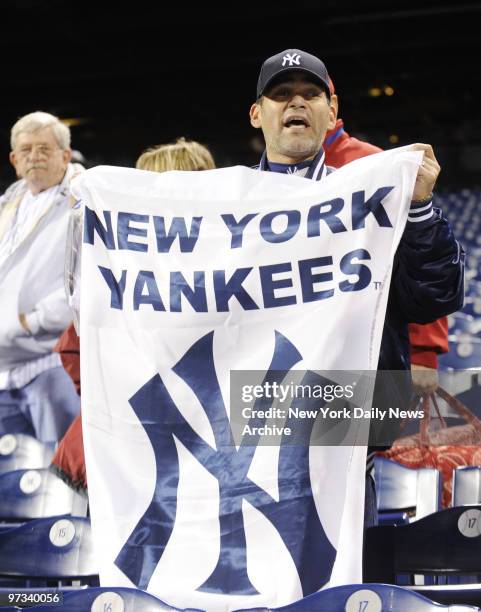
pixel 294 59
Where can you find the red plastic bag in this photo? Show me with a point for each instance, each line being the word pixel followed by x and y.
pixel 445 448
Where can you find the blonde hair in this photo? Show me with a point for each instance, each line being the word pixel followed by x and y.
pixel 181 155
pixel 35 121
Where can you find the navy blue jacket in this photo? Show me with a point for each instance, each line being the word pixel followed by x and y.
pixel 427 280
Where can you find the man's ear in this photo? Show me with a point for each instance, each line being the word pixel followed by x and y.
pixel 255 115
pixel 333 108
pixel 14 162
pixel 13 159
pixel 66 155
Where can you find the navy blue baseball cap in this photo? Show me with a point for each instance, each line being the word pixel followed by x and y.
pixel 292 60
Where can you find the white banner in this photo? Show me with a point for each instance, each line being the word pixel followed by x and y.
pixel 185 277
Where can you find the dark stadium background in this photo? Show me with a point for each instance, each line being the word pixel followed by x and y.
pixel 130 75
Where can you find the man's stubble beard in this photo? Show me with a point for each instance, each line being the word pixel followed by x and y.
pixel 301 148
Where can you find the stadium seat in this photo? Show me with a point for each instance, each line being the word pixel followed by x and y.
pixel 444 544
pixel 31 494
pixel 401 490
pixel 474 287
pixel 472 306
pixel 48 552
pixel 460 594
pixel 109 599
pixel 464 353
pixel 365 598
pixel 466 485
pixel 19 451
pixel 461 323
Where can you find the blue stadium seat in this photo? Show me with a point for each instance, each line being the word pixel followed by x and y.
pixel 464 353
pixel 19 451
pixel 401 489
pixel 466 485
pixel 31 494
pixel 474 287
pixel 472 306
pixel 444 544
pixel 365 598
pixel 48 552
pixel 461 323
pixel 459 594
pixel 109 599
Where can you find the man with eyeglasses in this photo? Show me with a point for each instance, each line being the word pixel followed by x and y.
pixel 36 395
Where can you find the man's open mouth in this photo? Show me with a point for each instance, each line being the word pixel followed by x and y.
pixel 296 122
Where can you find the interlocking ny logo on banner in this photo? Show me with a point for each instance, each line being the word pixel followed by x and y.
pixel 313 556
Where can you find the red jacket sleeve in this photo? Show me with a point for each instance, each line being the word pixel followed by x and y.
pixel 428 341
pixel 69 460
pixel 68 346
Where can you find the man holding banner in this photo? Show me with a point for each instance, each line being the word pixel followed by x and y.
pixel 227 318
pixel 295 107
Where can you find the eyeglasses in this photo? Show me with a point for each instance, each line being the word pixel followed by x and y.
pixel 44 150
